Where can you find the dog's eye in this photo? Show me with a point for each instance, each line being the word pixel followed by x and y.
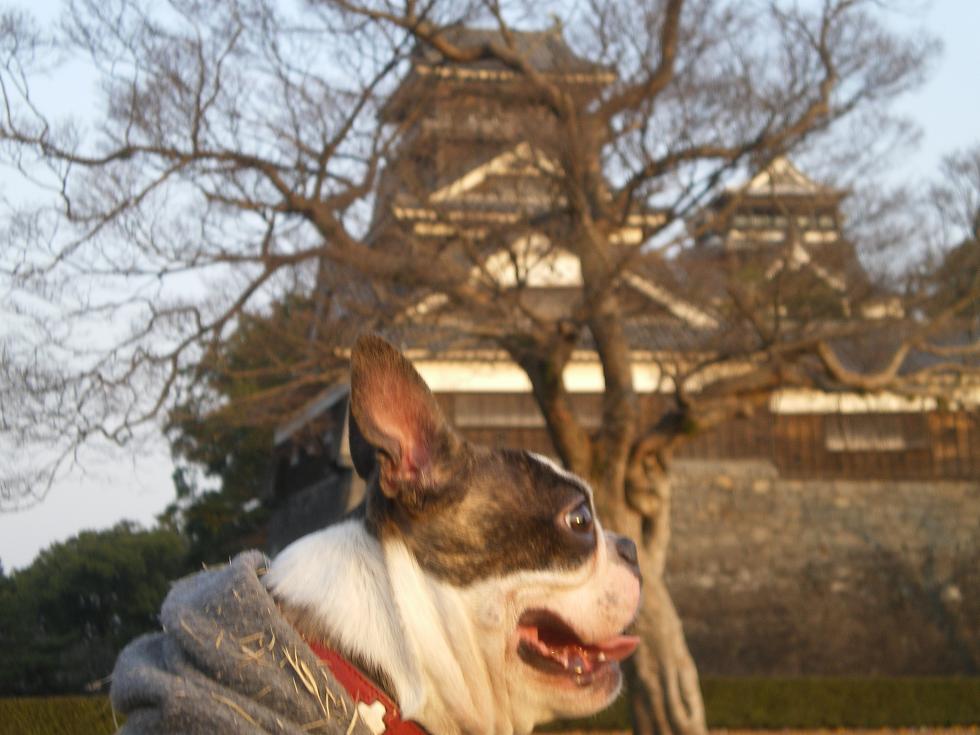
pixel 579 519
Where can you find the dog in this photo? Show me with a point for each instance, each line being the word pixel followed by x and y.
pixel 474 586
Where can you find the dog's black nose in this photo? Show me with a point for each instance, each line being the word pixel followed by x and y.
pixel 627 550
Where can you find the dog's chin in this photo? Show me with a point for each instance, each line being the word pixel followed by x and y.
pixel 575 678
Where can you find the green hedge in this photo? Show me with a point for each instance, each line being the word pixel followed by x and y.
pixel 807 703
pixel 744 702
pixel 842 702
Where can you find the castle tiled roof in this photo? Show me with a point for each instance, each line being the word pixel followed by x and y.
pixel 546 50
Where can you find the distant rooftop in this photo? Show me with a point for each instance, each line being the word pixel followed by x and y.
pixel 547 50
pixel 781 179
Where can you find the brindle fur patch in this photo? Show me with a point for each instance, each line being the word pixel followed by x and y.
pixel 501 514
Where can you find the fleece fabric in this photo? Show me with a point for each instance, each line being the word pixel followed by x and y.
pixel 226 662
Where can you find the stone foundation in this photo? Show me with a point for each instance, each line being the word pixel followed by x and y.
pixel 789 577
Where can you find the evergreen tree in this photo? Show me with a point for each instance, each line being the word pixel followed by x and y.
pixel 64 618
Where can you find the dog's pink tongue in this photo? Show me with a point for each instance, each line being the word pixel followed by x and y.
pixel 619 647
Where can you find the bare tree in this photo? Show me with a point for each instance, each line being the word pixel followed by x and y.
pixel 957 196
pixel 236 156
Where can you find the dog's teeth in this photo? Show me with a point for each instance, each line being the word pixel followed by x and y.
pixel 577 664
pixel 601 657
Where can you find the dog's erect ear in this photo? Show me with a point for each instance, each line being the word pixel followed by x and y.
pixel 395 418
pixel 361 453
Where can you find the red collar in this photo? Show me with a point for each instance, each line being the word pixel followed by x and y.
pixel 362 689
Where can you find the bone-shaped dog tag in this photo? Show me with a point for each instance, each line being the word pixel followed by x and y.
pixel 373 716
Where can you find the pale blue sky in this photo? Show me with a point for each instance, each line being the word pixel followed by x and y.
pixel 947 108
pixel 137 485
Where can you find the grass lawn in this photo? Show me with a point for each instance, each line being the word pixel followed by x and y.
pixel 884 705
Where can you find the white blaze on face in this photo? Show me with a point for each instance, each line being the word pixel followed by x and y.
pixel 465 641
pixel 597 601
pixel 468 639
pixel 569 477
pixel 601 598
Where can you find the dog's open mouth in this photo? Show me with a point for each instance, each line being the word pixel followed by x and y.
pixel 548 644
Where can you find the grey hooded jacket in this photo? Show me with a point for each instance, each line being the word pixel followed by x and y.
pixel 227 661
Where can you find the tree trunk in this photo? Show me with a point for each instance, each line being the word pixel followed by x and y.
pixel 662 680
pixel 665 696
